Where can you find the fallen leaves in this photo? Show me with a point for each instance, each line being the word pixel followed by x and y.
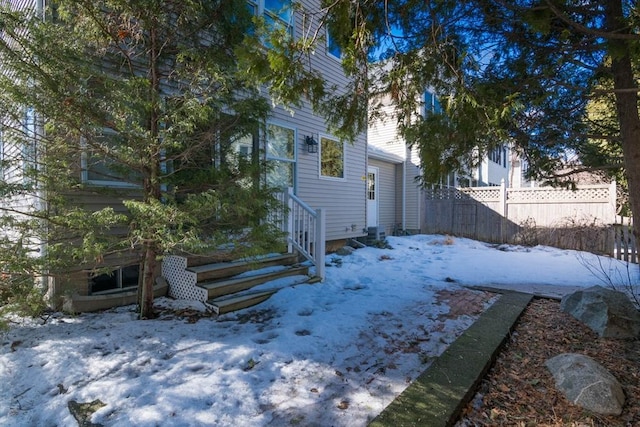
pixel 520 391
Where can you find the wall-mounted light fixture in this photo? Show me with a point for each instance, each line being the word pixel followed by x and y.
pixel 312 144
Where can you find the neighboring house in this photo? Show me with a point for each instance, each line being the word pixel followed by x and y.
pixel 321 171
pixel 396 204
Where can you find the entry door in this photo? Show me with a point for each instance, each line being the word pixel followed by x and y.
pixel 372 196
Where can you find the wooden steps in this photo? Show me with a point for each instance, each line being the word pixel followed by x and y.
pixel 228 284
pixel 226 269
pixel 230 304
pixel 238 284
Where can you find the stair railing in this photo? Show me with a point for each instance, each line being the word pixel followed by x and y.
pixel 306 230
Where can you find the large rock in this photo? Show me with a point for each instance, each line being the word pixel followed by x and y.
pixel 609 313
pixel 586 383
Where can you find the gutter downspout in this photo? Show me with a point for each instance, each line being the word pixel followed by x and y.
pixel 404 193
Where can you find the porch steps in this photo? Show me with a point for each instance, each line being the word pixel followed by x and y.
pixel 234 285
pixel 218 270
pixel 229 284
pixel 234 303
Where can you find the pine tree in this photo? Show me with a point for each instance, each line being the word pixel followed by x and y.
pixel 152 95
pixel 519 72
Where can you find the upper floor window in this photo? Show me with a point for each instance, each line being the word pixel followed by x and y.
pixel 332 155
pixel 277 14
pixel 333 48
pixel 431 104
pixel 499 155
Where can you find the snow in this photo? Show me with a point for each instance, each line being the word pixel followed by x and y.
pixel 333 353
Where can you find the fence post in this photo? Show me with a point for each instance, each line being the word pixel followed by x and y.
pixel 320 243
pixel 502 206
pixel 613 199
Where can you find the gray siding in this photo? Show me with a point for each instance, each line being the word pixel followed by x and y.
pixel 344 201
pixel 383 133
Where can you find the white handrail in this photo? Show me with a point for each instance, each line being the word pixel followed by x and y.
pixel 306 230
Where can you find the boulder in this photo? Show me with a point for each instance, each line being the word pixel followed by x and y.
pixel 611 314
pixel 586 383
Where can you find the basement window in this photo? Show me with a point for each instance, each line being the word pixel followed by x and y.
pixel 120 279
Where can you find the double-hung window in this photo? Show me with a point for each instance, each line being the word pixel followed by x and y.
pixel 281 156
pixel 332 158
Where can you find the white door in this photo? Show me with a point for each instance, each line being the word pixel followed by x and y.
pixel 372 196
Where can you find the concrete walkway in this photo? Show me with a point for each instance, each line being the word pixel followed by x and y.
pixel 438 395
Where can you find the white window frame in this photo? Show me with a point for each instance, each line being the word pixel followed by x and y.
pixel 261 10
pixel 434 106
pixel 344 159
pixel 498 155
pixel 328 46
pixel 294 159
pixel 84 165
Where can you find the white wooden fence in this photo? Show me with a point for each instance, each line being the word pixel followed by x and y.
pixel 625 246
pixel 581 219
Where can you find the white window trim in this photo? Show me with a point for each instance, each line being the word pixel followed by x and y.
pixel 327 46
pixel 294 160
pixel 261 11
pixel 344 159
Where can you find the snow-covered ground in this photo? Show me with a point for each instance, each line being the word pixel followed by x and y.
pixel 328 354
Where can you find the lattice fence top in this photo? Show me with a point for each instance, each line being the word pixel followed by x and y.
pixel 586 194
pixel 483 194
pixel 545 194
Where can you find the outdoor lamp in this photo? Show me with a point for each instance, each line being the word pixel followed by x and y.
pixel 312 144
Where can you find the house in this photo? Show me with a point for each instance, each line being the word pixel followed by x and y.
pixel 323 174
pixel 396 203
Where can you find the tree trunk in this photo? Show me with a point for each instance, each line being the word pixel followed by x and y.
pixel 148 276
pixel 151 184
pixel 626 105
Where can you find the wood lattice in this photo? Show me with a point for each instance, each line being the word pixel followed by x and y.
pixel 594 195
pixel 182 283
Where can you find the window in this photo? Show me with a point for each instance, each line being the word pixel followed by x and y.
pixel 29 143
pixel 333 48
pixel 99 169
pixel 331 158
pixel 498 155
pixel 280 156
pixel 431 104
pixel 371 186
pixel 116 280
pixel 277 14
